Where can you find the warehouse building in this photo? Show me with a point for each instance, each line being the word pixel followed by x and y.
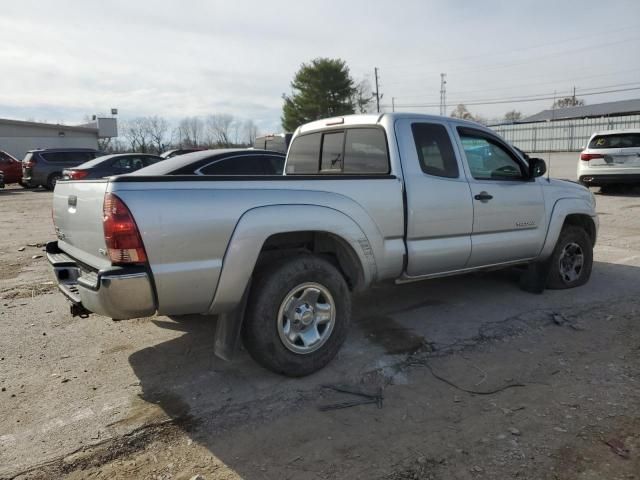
pixel 569 129
pixel 17 137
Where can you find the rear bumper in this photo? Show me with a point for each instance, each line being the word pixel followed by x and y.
pixel 599 179
pixel 120 292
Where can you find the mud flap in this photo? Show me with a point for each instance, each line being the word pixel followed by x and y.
pixel 228 328
pixel 534 279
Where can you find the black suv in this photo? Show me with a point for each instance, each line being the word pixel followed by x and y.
pixel 44 166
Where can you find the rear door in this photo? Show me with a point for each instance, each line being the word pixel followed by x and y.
pixel 438 198
pixel 508 208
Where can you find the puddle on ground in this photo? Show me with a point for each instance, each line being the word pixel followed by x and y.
pixel 390 335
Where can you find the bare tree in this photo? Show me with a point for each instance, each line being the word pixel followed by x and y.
pixel 190 132
pixel 568 102
pixel 513 116
pixel 221 129
pixel 363 97
pixel 157 128
pixel 137 134
pixel 461 112
pixel 250 132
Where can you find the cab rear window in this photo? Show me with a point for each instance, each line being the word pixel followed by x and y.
pixel 353 151
pixel 617 140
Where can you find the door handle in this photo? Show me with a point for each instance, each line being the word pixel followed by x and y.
pixel 483 197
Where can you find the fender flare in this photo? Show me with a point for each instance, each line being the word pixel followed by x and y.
pixel 561 209
pixel 258 224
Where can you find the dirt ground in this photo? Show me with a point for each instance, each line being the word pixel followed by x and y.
pixel 463 378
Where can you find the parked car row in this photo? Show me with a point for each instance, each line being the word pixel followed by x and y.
pixel 611 157
pixel 45 167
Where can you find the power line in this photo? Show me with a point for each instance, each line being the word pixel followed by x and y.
pixel 565 92
pixel 518 50
pixel 513 86
pixel 515 100
pixel 497 66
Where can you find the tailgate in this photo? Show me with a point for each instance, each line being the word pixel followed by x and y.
pixel 77 215
pixel 626 157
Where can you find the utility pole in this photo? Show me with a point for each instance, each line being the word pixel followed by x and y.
pixel 443 94
pixel 393 104
pixel 574 96
pixel 375 72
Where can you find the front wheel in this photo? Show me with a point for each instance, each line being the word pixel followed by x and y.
pixel 572 259
pixel 297 316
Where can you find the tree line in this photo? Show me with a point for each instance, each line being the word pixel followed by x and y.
pixel 321 88
pixel 155 134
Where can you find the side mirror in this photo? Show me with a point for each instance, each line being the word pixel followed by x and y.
pixel 537 167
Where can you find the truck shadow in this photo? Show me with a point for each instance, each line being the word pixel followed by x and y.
pixel 619 191
pixel 208 396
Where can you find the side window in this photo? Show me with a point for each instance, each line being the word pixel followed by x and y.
pixel 304 155
pixel 149 161
pixel 244 165
pixel 137 163
pixel 488 160
pixel 365 151
pixel 123 163
pixel 331 161
pixel 435 151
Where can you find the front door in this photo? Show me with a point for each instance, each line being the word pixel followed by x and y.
pixel 509 219
pixel 439 206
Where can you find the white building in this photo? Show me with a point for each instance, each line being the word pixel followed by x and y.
pixel 17 137
pixel 568 129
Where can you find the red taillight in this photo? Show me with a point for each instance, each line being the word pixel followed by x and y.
pixel 77 174
pixel 121 232
pixel 29 164
pixel 585 157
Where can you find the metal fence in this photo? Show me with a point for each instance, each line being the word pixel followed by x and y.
pixel 561 135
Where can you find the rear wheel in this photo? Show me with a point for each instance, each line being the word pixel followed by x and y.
pixel 572 259
pixel 52 180
pixel 297 315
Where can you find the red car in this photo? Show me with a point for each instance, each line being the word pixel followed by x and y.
pixel 11 168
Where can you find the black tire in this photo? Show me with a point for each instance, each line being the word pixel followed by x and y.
pixel 51 181
pixel 270 287
pixel 570 235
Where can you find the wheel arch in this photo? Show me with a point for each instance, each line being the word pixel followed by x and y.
pixel 569 212
pixel 265 233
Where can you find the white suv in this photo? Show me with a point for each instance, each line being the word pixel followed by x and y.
pixel 611 157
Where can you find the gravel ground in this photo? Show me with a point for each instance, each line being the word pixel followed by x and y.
pixel 553 378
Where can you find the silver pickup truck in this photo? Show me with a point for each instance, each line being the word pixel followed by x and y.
pixel 364 199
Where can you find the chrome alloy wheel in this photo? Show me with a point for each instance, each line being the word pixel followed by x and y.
pixel 570 262
pixel 306 318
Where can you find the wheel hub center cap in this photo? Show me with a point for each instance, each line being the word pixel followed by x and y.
pixel 304 314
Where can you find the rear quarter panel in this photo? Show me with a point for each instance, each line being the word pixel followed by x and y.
pixel 186 226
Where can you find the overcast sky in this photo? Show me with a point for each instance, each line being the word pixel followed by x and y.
pixel 62 60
